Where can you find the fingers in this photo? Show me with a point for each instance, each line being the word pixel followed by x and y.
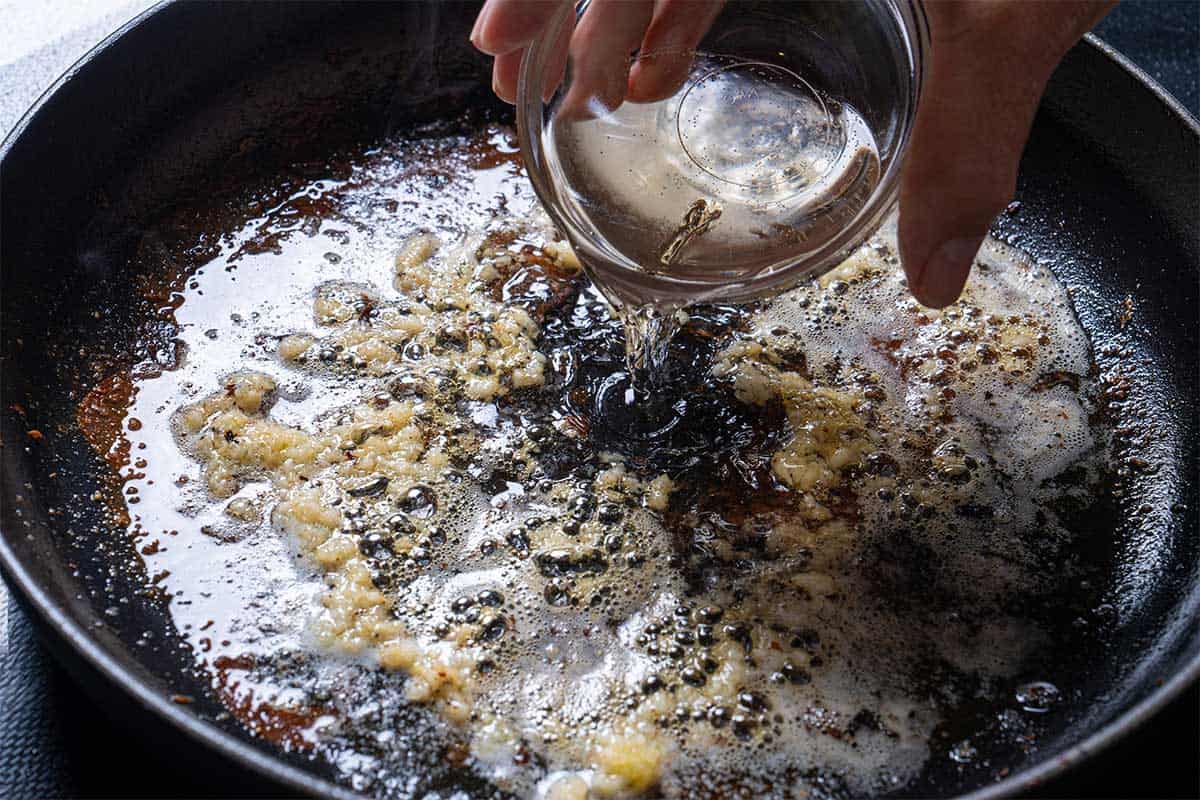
pixel 504 26
pixel 556 62
pixel 604 39
pixel 505 71
pixel 507 68
pixel 610 31
pixel 667 49
pixel 990 64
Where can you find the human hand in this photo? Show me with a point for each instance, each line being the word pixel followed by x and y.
pixel 990 60
pixel 599 45
pixel 990 63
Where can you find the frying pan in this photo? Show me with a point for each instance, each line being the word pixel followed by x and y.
pixel 193 98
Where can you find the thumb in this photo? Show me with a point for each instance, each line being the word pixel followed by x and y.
pixel 989 66
pixel 961 167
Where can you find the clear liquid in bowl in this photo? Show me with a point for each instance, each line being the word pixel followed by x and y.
pixel 744 168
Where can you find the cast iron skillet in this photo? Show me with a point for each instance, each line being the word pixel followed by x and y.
pixel 191 97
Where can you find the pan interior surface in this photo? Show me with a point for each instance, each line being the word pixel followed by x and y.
pixel 87 293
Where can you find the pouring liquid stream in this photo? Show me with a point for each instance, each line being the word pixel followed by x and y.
pixel 744 169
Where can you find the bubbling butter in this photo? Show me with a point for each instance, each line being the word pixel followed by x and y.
pixel 595 621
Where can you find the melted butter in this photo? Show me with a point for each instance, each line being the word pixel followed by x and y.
pixel 393 468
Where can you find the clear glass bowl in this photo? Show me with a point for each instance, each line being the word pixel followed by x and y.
pixel 760 152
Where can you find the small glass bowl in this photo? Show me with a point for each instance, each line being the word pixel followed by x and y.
pixel 756 155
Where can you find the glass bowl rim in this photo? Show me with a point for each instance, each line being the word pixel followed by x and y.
pixel 909 18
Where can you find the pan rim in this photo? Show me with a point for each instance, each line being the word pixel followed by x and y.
pixel 57 619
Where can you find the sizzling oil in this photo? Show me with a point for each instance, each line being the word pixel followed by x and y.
pixel 744 586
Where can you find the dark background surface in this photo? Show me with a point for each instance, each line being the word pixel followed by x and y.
pixel 54 742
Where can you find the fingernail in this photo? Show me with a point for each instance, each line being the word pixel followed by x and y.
pixel 945 273
pixel 474 37
pixel 499 92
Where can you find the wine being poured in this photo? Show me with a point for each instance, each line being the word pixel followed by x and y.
pixel 731 171
pixel 744 167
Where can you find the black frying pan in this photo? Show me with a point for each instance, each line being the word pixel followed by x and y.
pixel 1109 199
